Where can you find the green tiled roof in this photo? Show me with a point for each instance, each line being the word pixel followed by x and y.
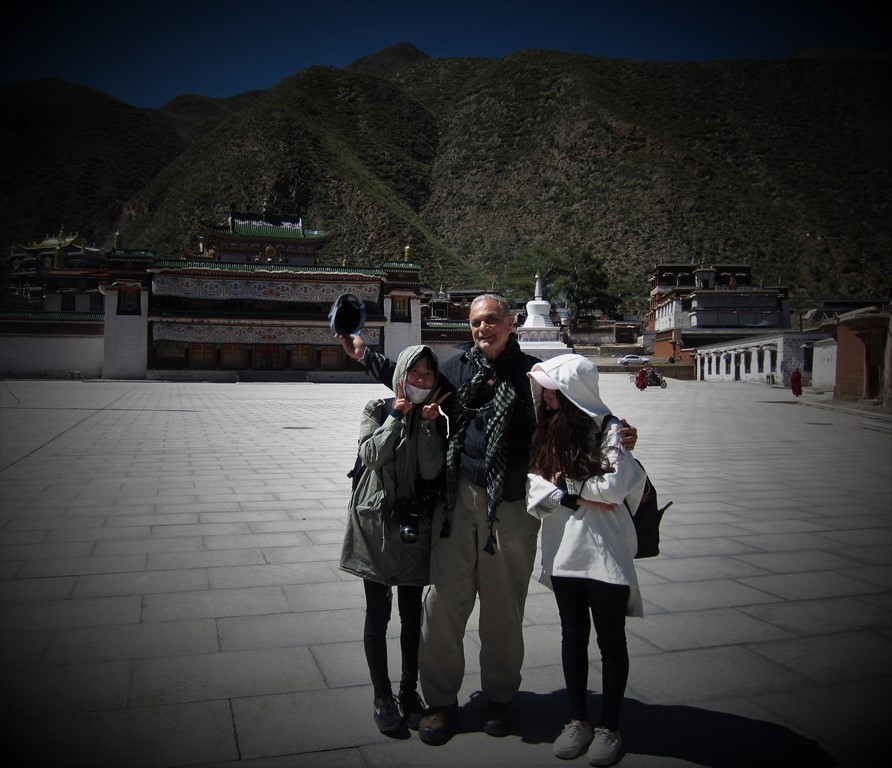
pixel 410 265
pixel 273 231
pixel 288 269
pixel 122 254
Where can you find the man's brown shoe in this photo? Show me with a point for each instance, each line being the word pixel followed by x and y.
pixel 438 724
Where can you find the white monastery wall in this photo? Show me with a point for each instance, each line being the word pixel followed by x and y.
pixel 50 356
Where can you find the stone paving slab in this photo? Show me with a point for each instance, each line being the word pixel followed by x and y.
pixel 169 590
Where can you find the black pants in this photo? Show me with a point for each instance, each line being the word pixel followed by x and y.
pixel 607 603
pixel 378 602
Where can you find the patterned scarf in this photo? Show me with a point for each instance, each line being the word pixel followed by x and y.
pixel 496 428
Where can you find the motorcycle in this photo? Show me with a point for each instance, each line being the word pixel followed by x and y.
pixel 656 379
pixel 653 379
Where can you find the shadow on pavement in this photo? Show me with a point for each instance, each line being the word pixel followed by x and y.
pixel 702 736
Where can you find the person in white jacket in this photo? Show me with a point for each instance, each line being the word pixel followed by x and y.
pixel 578 478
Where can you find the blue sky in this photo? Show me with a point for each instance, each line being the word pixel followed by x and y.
pixel 148 53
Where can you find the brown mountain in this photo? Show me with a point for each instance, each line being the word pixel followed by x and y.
pixel 781 164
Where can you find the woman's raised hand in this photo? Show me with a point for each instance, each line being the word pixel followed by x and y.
pixel 432 409
pixel 628 435
pixel 401 403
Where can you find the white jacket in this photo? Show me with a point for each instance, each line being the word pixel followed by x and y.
pixel 589 543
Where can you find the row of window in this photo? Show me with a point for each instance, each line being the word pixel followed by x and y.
pixel 727 360
pixel 268 357
pixel 747 362
pixel 75 302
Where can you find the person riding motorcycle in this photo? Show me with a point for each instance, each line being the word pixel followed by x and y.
pixel 649 376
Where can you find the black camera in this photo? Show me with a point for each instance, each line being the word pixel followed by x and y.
pixel 408 512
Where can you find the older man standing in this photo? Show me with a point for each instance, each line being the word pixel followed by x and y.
pixel 487 543
pixel 486 548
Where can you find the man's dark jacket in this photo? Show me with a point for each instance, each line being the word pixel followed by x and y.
pixel 455 372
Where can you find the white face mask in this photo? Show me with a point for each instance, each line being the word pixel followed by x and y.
pixel 416 395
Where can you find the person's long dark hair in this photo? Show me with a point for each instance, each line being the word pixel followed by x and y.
pixel 561 443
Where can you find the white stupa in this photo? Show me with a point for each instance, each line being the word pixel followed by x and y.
pixel 539 336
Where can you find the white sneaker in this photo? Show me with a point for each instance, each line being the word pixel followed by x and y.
pixel 605 747
pixel 574 740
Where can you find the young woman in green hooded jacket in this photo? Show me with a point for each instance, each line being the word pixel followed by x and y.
pixel 388 536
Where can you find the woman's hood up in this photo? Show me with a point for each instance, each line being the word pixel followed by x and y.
pixel 576 378
pixel 408 357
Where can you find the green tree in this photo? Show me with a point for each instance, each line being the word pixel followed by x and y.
pixel 517 282
pixel 584 284
pixel 581 282
pixel 629 297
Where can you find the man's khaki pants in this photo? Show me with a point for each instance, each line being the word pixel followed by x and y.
pixel 460 572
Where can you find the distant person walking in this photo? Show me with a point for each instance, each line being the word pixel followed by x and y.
pixel 796 382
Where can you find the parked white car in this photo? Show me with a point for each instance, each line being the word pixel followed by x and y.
pixel 633 360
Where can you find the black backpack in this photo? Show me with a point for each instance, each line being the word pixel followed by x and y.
pixel 648 516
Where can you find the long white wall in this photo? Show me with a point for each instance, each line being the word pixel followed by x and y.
pixel 728 361
pixel 50 357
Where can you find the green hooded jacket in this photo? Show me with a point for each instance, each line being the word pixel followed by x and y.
pixel 399 454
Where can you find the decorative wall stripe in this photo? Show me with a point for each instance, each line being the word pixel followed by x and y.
pixel 251 334
pixel 267 290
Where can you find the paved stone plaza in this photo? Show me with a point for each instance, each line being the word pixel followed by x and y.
pixel 170 593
